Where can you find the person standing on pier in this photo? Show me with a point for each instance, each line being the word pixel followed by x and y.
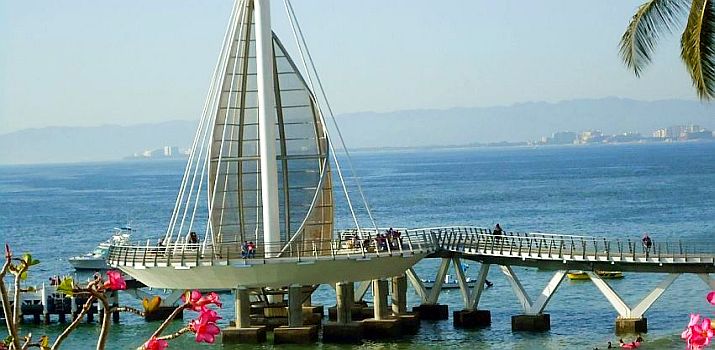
pixel 647 244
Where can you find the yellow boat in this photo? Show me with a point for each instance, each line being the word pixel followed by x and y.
pixel 580 275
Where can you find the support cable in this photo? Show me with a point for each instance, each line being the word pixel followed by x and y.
pixel 300 40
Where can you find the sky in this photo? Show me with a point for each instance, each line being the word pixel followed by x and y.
pixel 88 62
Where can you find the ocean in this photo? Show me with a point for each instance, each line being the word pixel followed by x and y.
pixel 668 190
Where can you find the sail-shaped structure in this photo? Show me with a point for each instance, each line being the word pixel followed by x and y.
pixel 303 171
pixel 255 207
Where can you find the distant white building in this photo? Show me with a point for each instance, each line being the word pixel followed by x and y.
pixel 171 151
pixel 590 136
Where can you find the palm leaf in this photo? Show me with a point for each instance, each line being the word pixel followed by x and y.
pixel 639 41
pixel 698 47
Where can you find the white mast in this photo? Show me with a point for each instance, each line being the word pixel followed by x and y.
pixel 266 127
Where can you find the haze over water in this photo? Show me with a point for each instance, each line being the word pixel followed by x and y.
pixel 57 211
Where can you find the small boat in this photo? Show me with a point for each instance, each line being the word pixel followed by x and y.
pixel 96 260
pixel 581 275
pixel 449 283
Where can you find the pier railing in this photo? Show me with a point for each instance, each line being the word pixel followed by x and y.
pixel 482 241
pixel 350 244
pixel 479 243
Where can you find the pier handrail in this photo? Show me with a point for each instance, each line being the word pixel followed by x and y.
pixel 467 240
pixel 182 253
pixel 555 246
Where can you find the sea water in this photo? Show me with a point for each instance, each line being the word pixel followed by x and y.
pixel 668 190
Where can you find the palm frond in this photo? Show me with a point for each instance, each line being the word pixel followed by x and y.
pixel 653 17
pixel 698 47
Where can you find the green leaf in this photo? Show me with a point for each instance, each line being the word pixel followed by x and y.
pixel 698 47
pixel 7 340
pixel 29 261
pixel 23 275
pixel 653 17
pixel 66 286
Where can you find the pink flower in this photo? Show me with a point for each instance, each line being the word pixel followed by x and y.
pixel 156 344
pixel 212 298
pixel 700 335
pixel 115 282
pixel 194 296
pixel 205 330
pixel 208 315
pixel 711 297
pixel 198 301
pixel 694 319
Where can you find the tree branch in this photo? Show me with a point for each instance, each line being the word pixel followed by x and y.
pixel 168 320
pixel 106 318
pixel 9 318
pixel 16 304
pixel 129 309
pixel 85 308
pixel 175 335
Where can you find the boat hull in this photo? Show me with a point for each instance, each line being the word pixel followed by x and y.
pixel 89 264
pixel 580 275
pixel 451 285
pixel 276 272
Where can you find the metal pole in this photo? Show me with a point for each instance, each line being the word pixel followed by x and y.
pixel 266 128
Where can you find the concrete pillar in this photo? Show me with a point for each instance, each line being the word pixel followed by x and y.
pixel 472 318
pixel 631 325
pixel 531 323
pixel 243 333
pixel 45 311
pixel 379 291
pixel 344 331
pixel 295 305
pixel 399 295
pixel 344 293
pixel 432 312
pixel 73 307
pixel 243 308
pixel 114 300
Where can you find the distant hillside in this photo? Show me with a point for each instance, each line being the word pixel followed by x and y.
pixel 82 144
pixel 410 128
pixel 519 122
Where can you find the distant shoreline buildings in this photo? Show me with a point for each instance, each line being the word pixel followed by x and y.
pixel 166 152
pixel 670 134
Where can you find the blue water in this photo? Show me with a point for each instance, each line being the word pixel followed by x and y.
pixel 668 190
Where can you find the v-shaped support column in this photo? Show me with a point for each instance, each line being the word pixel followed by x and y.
pixel 536 307
pixel 631 320
pixel 533 318
pixel 470 317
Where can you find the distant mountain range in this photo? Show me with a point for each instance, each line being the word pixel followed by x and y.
pixel 408 128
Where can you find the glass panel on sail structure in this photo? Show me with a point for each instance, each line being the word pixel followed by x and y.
pixel 305 192
pixel 305 168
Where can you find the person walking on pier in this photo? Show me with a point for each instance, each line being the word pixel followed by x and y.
pixel 647 244
pixel 498 232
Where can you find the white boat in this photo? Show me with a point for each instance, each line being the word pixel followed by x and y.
pixel 97 259
pixel 449 283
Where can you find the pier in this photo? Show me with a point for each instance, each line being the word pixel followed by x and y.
pixel 287 311
pixel 42 303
